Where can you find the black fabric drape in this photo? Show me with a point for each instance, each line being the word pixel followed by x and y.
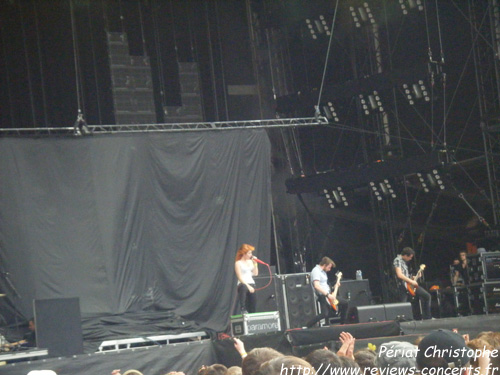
pixel 133 222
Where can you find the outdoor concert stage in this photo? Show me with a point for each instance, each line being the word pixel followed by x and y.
pixel 188 355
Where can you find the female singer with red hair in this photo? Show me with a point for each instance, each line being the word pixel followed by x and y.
pixel 245 267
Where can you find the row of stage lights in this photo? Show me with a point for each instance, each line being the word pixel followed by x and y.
pixel 433 180
pixel 385 189
pixel 364 14
pixel 418 91
pixel 372 103
pixel 410 4
pixel 360 14
pixel 337 198
pixel 318 26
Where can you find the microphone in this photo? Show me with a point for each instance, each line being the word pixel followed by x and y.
pixel 259 261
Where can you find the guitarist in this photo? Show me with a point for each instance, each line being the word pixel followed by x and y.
pixel 326 296
pixel 403 274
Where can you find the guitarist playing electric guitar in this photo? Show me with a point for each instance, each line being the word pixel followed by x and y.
pixel 333 301
pixel 329 301
pixel 408 284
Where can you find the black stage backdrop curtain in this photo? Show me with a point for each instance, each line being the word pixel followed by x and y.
pixel 133 222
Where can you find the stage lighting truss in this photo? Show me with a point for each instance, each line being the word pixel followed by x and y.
pixel 318 26
pixel 408 5
pixel 371 103
pixel 336 197
pixel 362 14
pixel 416 91
pixel 382 189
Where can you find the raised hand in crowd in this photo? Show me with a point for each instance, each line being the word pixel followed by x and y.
pixel 347 348
pixel 240 347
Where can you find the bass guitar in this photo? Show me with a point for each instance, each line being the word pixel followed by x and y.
pixel 412 289
pixel 335 302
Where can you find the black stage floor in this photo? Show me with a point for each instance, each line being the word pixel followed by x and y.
pixel 189 356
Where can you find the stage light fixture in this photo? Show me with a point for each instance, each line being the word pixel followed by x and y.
pixel 363 104
pixel 362 14
pixel 387 189
pixel 372 102
pixel 311 29
pixel 318 26
pixel 339 196
pixel 330 112
pixel 407 5
pixel 335 197
pixel 422 182
pixel 438 179
pixel 375 191
pixel 416 91
pixel 329 198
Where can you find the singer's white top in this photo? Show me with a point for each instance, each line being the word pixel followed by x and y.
pixel 246 272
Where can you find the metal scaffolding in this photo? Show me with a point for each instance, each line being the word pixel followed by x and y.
pixel 179 127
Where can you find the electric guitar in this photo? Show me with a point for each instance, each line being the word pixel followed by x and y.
pixel 411 289
pixel 334 303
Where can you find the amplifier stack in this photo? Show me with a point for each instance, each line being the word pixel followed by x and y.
pixel 293 297
pixel 482 295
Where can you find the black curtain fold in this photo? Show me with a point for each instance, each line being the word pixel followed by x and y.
pixel 133 222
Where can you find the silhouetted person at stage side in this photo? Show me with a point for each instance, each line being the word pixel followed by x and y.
pixel 246 268
pixel 403 274
pixel 324 294
pixel 30 336
pixel 461 270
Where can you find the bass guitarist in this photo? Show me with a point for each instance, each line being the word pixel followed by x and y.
pixel 403 274
pixel 329 300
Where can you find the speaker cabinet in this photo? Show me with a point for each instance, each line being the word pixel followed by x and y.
pixel 299 300
pixel 372 313
pixel 398 311
pixel 269 297
pixel 356 292
pixel 379 313
pixel 58 326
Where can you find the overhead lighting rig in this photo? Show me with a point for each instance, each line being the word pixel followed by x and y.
pixel 318 26
pixel 336 197
pixel 408 5
pixel 416 91
pixel 362 14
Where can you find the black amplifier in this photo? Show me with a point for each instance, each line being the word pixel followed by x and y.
pixel 492 297
pixel 491 266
